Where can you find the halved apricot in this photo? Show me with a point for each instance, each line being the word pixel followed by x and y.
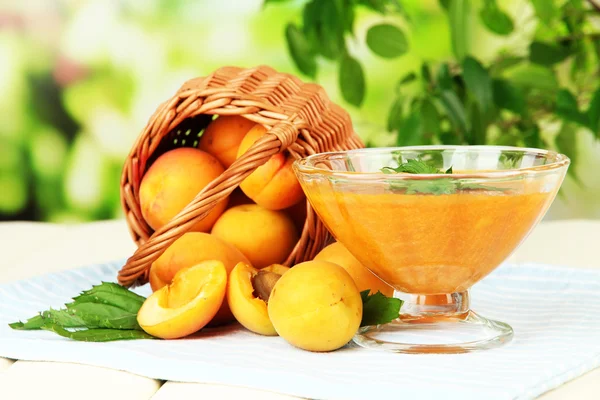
pixel 187 304
pixel 248 291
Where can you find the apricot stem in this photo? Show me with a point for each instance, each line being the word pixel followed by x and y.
pixel 263 283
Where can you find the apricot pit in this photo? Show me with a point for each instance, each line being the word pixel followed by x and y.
pixel 248 293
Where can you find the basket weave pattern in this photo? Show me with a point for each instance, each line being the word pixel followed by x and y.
pixel 299 117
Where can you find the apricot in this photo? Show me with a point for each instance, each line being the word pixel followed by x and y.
pixel 223 136
pixel 237 198
pixel 298 214
pixel 272 185
pixel 338 254
pixel 191 249
pixel 264 236
pixel 248 291
pixel 316 306
pixel 173 180
pixel 187 304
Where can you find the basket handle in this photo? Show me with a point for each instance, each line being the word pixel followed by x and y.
pixel 276 140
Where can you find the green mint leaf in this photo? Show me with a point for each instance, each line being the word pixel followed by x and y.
pixel 433 186
pixel 97 315
pixel 478 186
pixel 111 287
pixel 125 303
pixel 379 309
pixel 449 170
pixel 97 335
pixel 414 166
pixel 64 319
pixel 31 324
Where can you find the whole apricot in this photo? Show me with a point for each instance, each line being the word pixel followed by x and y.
pixel 173 180
pixel 187 304
pixel 298 214
pixel 223 136
pixel 272 185
pixel 237 198
pixel 316 306
pixel 191 249
pixel 338 254
pixel 264 236
pixel 248 291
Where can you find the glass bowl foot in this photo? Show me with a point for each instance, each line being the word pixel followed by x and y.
pixel 435 324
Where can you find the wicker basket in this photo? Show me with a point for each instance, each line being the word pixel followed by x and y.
pixel 299 117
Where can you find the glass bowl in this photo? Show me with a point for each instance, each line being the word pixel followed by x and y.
pixel 432 236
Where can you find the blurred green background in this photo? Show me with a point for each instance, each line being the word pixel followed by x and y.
pixel 79 80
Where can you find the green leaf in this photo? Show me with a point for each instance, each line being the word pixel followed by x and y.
pixel 349 17
pixel 478 186
pixel 547 54
pixel 413 166
pixel 545 10
pixel 410 77
pixel 387 41
pixel 330 30
pixel 97 335
pixel 66 319
pixel 532 76
pixel 31 324
pixel 532 138
pixel 593 113
pixel 395 114
pixel 301 51
pixel 426 73
pixel 478 134
pixel 384 6
pixel 479 83
pixel 115 288
pixel 505 62
pixel 567 108
pixel 459 14
pixel 430 118
pixel 445 4
pixel 410 131
pixel 103 316
pixel 508 96
pixel 566 143
pixel 455 110
pixel 351 80
pixel 444 79
pixel 113 299
pixel 379 309
pixel 495 19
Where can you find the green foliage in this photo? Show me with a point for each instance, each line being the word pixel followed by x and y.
pixel 379 309
pixel 104 313
pixel 466 100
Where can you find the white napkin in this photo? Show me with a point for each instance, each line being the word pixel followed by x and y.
pixel 553 310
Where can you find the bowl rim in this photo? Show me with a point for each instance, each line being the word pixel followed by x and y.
pixel 301 166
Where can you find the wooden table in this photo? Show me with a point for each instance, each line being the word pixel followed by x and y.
pixel 30 249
